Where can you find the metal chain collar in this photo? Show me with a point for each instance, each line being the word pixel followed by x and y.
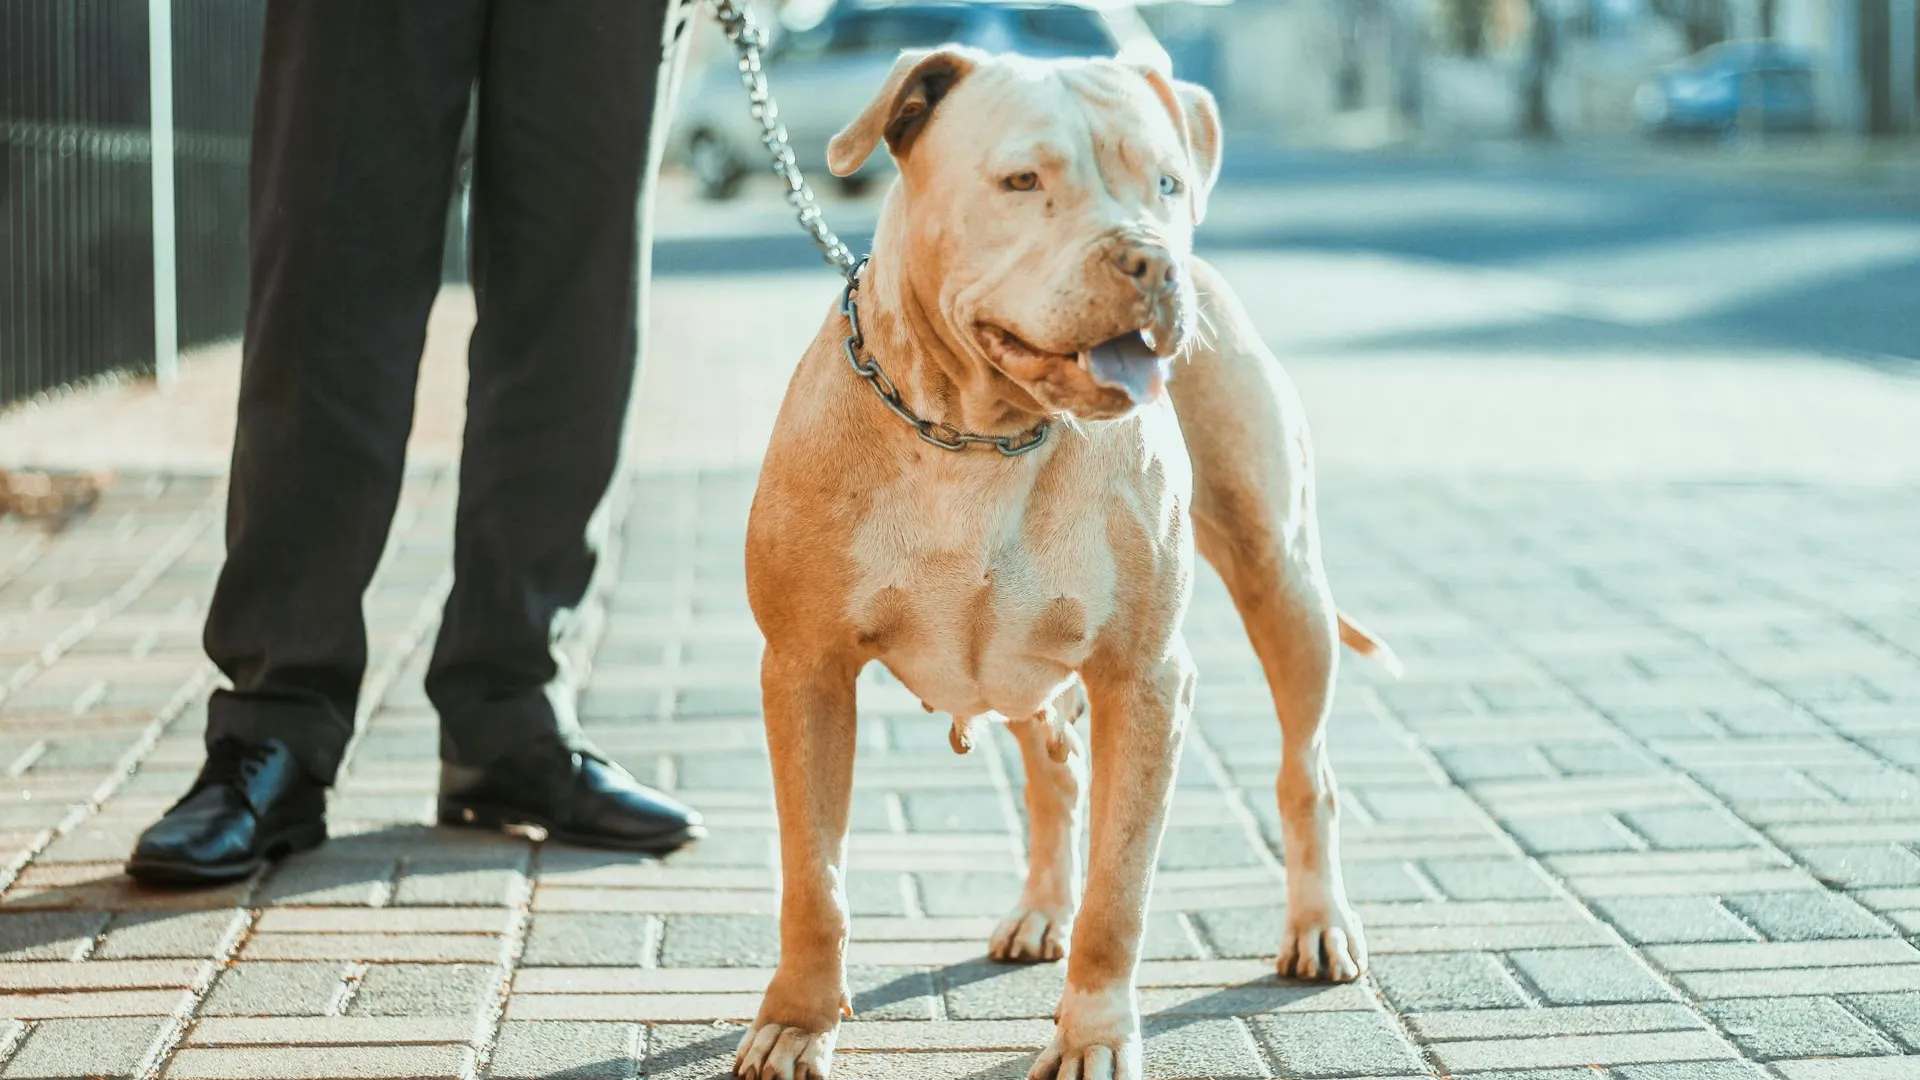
pixel 943 435
pixel 749 41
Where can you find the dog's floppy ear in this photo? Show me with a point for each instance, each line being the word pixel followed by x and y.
pixel 920 78
pixel 1197 116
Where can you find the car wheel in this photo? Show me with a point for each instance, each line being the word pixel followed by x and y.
pixel 713 167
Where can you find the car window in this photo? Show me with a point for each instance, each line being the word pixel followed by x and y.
pixel 795 45
pixel 894 29
pixel 1064 30
pixel 1794 82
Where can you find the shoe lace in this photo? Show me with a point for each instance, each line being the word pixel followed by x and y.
pixel 233 764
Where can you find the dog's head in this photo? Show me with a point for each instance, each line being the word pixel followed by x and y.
pixel 1048 215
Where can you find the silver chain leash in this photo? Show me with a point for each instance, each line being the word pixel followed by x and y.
pixel 749 42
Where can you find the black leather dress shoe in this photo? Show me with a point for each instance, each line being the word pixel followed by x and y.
pixel 576 796
pixel 250 805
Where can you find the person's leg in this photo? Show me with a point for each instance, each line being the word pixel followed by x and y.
pixel 568 142
pixel 356 127
pixel 356 124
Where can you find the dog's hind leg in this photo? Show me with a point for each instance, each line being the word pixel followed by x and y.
pixel 1255 522
pixel 1041 924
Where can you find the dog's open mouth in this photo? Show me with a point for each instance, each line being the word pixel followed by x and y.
pixel 1128 363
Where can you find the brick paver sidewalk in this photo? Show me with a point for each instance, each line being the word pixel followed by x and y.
pixel 1643 809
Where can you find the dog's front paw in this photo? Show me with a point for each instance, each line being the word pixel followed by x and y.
pixel 1032 935
pixel 1326 943
pixel 793 1037
pixel 776 1050
pixel 1096 1037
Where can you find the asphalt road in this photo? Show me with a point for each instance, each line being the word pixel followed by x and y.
pixel 1620 259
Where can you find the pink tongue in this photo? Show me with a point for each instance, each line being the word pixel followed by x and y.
pixel 1128 363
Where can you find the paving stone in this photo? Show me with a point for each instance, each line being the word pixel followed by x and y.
pixel 1237 932
pixel 893 993
pixel 333 1031
pixel 1201 847
pixel 720 941
pixel 1905 1068
pixel 1786 982
pixel 952 811
pixel 101 975
pixel 1561 833
pixel 386 948
pixel 323 1063
pixel 1390 939
pixel 871 892
pixel 652 1007
pixel 1488 879
pixel 339 881
pixel 264 989
pixel 576 1051
pixel 1467 764
pixel 982 990
pixel 1575 1050
pixel 1383 881
pixel 1540 1023
pixel 62 1004
pixel 1859 866
pixel 1269 995
pixel 1688 827
pixel 1587 976
pixel 860 1036
pixel 48 935
pixel 1655 920
pixel 1853 952
pixel 1806 916
pixel 1581 1073
pixel 159 934
pixel 444 883
pixel 917 1065
pixel 1896 1014
pixel 591 940
pixel 967 894
pixel 692 1051
pixel 1691 1070
pixel 1180 1047
pixel 1773 1028
pixel 1313 1045
pixel 1421 982
pixel 425 990
pixel 103 1047
pixel 415 920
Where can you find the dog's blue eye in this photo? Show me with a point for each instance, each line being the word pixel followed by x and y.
pixel 1171 185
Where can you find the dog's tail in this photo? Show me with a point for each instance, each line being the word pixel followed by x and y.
pixel 1360 640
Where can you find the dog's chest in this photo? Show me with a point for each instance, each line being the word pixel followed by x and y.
pixel 979 595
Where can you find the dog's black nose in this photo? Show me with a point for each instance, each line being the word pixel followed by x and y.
pixel 1151 266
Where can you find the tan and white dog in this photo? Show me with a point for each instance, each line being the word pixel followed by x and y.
pixel 1033 263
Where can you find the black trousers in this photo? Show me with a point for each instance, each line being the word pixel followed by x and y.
pixel 358 124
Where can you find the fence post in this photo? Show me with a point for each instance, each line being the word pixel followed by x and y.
pixel 166 292
pixel 1901 64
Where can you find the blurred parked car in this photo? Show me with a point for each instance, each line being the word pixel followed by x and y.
pixel 824 75
pixel 1708 93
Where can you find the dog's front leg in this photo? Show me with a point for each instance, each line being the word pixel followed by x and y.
pixel 1139 719
pixel 809 704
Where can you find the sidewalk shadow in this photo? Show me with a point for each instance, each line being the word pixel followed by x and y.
pixel 56 923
